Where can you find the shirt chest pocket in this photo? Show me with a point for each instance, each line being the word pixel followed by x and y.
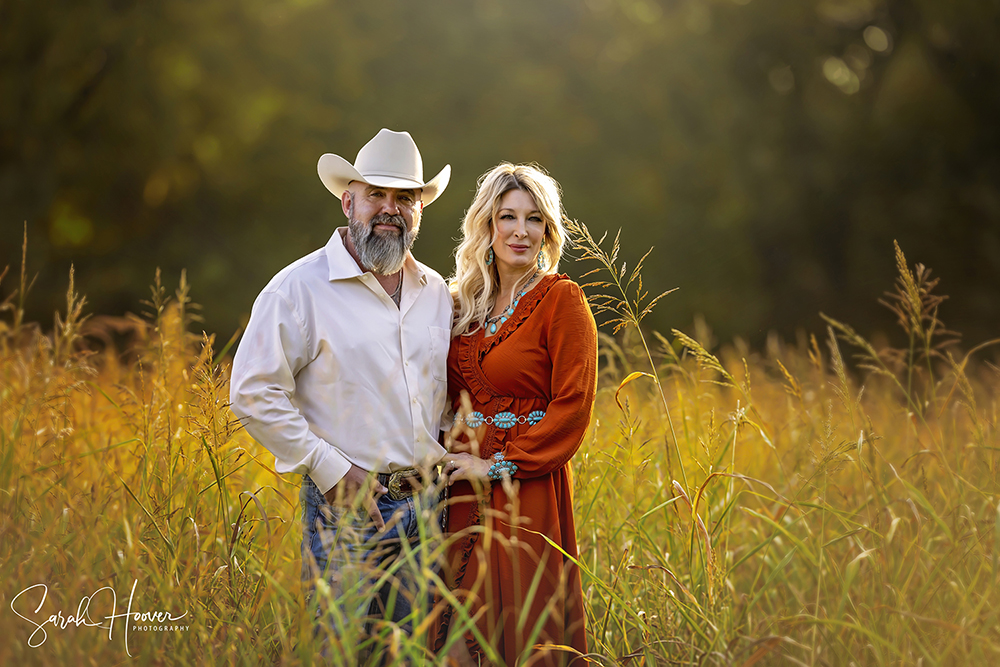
pixel 440 340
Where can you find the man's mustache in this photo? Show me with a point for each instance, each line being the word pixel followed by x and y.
pixel 386 219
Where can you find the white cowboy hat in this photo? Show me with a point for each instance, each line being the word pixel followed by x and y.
pixel 390 160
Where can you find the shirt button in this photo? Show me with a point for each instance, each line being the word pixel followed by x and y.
pixel 406 363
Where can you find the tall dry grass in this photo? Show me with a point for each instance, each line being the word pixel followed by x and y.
pixel 733 506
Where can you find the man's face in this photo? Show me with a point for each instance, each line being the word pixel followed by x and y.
pixel 384 223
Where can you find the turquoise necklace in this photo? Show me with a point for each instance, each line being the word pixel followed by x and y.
pixel 493 322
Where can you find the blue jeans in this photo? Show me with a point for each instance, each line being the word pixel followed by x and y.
pixel 343 547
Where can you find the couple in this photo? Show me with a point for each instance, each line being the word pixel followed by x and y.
pixel 357 360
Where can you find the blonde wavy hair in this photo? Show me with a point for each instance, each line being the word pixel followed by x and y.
pixel 475 286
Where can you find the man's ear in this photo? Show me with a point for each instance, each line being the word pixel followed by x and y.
pixel 345 203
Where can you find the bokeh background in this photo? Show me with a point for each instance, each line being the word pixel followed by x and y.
pixel 770 150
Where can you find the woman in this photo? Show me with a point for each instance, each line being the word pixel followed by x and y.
pixel 524 357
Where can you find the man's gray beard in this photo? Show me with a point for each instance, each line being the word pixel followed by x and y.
pixel 382 253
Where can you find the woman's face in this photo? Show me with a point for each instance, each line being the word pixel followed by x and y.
pixel 520 228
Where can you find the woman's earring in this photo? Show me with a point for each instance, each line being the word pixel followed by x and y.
pixel 489 256
pixel 541 253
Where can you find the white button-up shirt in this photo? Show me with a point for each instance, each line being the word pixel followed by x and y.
pixel 330 372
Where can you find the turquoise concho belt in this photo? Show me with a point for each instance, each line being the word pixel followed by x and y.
pixel 502 420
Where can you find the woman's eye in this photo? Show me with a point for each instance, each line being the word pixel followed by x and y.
pixel 506 216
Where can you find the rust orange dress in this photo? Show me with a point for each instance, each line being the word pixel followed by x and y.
pixel 544 358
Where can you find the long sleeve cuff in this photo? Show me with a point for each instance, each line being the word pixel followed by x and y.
pixel 330 470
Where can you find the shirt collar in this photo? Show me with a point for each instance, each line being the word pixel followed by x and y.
pixel 343 267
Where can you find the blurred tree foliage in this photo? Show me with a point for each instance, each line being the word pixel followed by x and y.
pixel 770 149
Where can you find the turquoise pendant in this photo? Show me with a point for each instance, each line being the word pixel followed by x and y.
pixel 510 311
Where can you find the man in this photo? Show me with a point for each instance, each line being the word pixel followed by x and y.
pixel 341 371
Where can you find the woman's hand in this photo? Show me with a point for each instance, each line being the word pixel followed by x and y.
pixel 466 466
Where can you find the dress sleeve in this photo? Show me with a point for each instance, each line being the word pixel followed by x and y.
pixel 572 346
pixel 273 350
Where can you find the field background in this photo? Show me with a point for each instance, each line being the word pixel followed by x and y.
pixel 760 485
pixel 796 504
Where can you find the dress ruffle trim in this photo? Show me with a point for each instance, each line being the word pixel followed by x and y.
pixel 471 373
pixel 472 351
pixel 525 307
pixel 468 544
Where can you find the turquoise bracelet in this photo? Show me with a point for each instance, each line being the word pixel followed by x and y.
pixel 501 468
